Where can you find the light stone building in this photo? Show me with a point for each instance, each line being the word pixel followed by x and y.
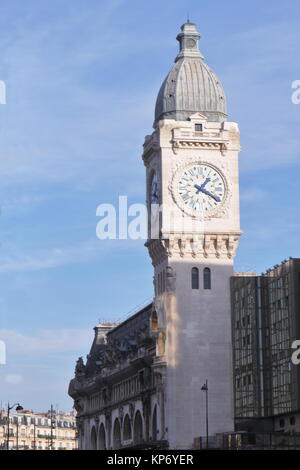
pixel 33 431
pixel 141 386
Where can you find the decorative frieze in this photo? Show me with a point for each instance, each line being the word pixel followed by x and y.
pixel 184 138
pixel 206 246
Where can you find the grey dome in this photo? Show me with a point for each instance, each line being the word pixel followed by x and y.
pixel 191 86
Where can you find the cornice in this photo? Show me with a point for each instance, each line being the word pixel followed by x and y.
pixel 151 147
pixel 184 138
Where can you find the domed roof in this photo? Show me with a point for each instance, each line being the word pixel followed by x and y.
pixel 191 86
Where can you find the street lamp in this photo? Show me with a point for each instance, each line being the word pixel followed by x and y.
pixel 204 388
pixel 18 408
pixel 53 423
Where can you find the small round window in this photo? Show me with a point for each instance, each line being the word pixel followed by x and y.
pixel 191 43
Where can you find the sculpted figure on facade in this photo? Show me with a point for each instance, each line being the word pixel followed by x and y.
pixel 170 279
pixel 79 406
pixel 131 410
pixel 161 340
pixel 80 368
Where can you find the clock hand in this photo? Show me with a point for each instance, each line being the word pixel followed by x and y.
pixel 205 182
pixel 202 185
pixel 216 198
pixel 200 188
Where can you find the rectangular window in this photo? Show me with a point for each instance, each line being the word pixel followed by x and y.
pixel 198 127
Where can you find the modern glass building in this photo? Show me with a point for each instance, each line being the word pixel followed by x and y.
pixel 265 324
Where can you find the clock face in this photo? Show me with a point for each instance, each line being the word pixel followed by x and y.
pixel 154 189
pixel 154 207
pixel 201 189
pixel 191 43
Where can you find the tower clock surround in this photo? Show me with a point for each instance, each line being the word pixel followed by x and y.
pixel 199 189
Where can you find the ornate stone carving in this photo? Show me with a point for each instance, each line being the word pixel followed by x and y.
pixel 187 138
pixel 80 368
pixel 80 426
pixel 210 245
pixel 170 279
pixel 151 145
pixel 121 413
pixel 106 395
pixel 206 248
pixel 79 405
pixel 161 340
pixel 231 246
pixel 131 410
pixel 219 245
pixel 107 414
pixel 158 250
pixel 118 351
pixel 182 245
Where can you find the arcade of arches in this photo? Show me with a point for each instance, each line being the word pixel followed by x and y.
pixel 126 431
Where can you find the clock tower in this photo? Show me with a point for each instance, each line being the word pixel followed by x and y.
pixel 193 225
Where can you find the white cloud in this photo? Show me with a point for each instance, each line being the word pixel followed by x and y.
pixel 258 78
pixel 46 341
pixel 59 126
pixel 61 256
pixel 13 379
pixel 51 258
pixel 252 194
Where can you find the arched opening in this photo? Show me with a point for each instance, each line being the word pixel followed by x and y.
pixel 93 438
pixel 127 431
pixel 117 435
pixel 154 425
pixel 207 278
pixel 138 428
pixel 195 278
pixel 102 437
pixel 154 321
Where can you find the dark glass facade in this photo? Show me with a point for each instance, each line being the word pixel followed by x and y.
pixel 265 323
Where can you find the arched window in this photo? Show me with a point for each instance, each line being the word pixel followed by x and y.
pixel 154 424
pixel 138 428
pixel 127 432
pixel 117 434
pixel 195 278
pixel 154 321
pixel 207 278
pixel 94 439
pixel 102 438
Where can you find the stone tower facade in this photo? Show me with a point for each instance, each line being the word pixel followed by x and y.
pixel 192 184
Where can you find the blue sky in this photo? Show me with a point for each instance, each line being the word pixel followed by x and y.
pixel 82 79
